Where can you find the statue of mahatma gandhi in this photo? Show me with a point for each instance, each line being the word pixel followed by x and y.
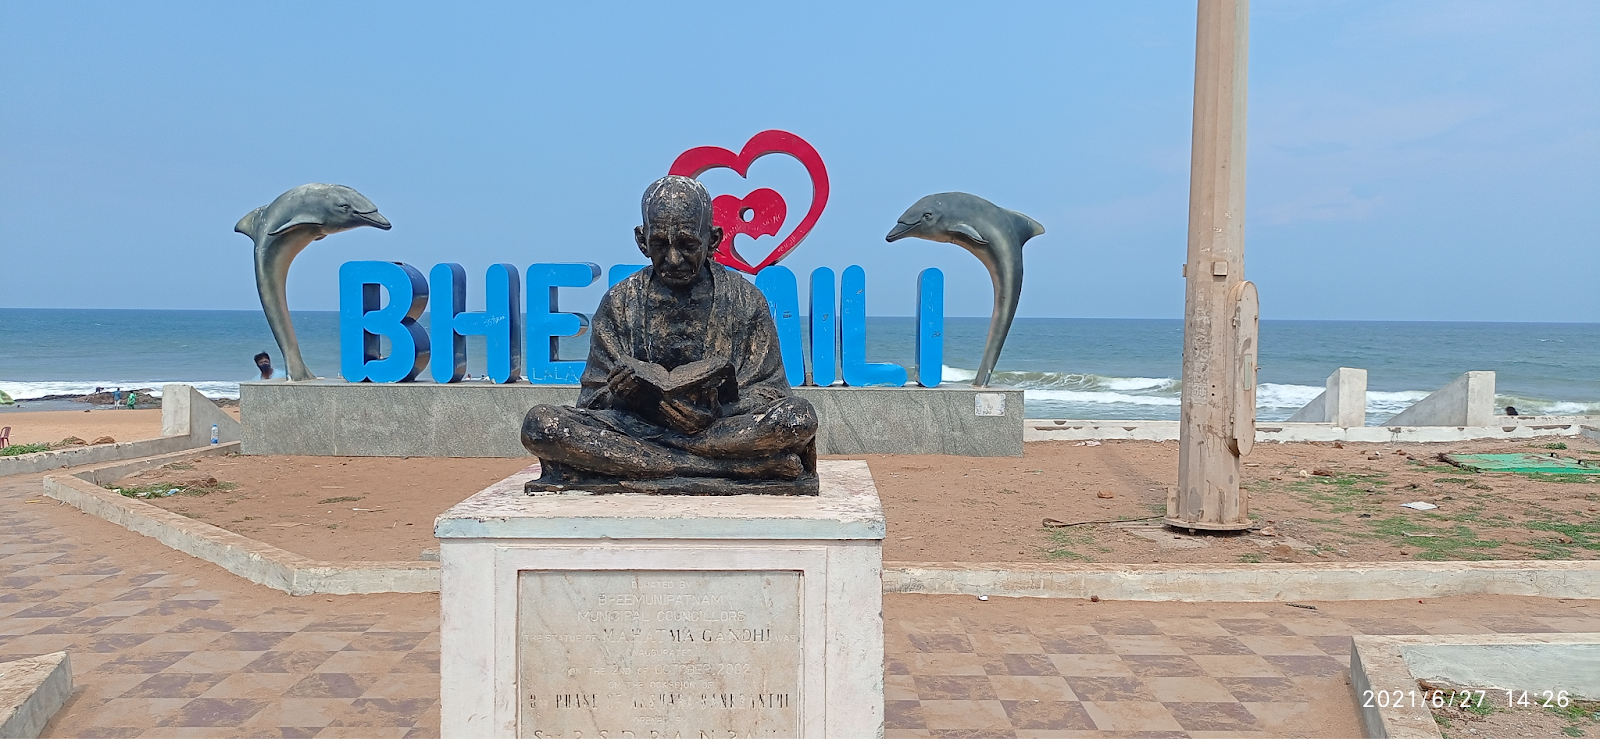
pixel 684 392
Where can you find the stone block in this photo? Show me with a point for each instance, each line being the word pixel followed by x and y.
pixel 474 419
pixel 1343 403
pixel 31 691
pixel 1467 401
pixel 663 615
pixel 185 412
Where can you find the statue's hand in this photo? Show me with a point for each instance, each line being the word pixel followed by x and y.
pixel 686 417
pixel 624 384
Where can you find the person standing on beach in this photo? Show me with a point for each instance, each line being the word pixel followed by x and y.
pixel 264 363
pixel 116 397
pixel 133 399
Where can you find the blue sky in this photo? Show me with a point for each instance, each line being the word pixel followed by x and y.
pixel 1407 160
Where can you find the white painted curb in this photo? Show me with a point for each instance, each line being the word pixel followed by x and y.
pixel 1235 583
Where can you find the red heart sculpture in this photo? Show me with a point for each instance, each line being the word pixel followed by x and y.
pixel 765 208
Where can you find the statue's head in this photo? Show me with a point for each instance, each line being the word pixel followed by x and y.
pixel 677 234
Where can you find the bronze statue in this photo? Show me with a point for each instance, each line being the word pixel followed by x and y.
pixel 684 391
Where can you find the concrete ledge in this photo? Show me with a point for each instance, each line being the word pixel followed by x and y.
pixel 1467 401
pixel 1590 432
pixel 1507 427
pixel 31 691
pixel 282 570
pixel 248 558
pixel 1396 663
pixel 45 461
pixel 479 419
pixel 1248 582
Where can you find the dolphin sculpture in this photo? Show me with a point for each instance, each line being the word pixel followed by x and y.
pixel 994 235
pixel 280 230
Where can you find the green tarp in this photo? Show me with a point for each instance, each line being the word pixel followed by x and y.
pixel 1547 463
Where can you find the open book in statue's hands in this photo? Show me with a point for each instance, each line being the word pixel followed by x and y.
pixel 687 399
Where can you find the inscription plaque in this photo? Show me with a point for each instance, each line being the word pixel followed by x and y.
pixel 629 654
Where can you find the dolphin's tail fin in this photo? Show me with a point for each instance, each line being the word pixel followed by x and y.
pixel 1030 227
pixel 247 224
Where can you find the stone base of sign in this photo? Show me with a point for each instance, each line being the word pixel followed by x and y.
pixel 663 616
pixel 480 419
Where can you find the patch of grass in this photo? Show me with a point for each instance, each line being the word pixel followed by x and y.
pixel 1063 545
pixel 1556 445
pixel 1456 480
pixel 153 490
pixel 341 499
pixel 1446 543
pixel 1581 534
pixel 15 449
pixel 1250 557
pixel 1577 714
pixel 1560 477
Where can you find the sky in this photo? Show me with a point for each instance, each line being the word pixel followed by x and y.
pixel 1406 160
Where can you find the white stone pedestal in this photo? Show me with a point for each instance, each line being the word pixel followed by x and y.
pixel 644 616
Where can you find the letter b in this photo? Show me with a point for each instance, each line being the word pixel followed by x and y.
pixel 363 319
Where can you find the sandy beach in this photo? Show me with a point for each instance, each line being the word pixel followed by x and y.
pixel 47 426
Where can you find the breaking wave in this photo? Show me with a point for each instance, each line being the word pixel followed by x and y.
pixel 40 389
pixel 1081 395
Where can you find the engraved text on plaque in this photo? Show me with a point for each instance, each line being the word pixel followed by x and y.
pixel 662 654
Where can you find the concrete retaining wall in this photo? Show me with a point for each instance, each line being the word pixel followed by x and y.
pixel 45 461
pixel 1504 427
pixel 473 419
pixel 186 420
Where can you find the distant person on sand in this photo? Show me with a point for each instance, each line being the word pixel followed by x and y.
pixel 133 399
pixel 116 396
pixel 264 363
pixel 1511 410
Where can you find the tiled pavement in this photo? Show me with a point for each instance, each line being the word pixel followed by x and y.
pixel 164 645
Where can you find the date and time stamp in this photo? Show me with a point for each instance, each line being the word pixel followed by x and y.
pixel 1398 698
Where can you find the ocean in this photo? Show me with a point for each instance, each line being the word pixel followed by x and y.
pixel 1075 368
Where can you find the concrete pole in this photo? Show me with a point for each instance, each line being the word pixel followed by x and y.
pixel 1220 314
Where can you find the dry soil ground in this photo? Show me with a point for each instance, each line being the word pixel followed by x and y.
pixel 1316 502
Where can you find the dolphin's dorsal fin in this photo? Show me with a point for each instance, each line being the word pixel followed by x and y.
pixel 247 224
pixel 969 232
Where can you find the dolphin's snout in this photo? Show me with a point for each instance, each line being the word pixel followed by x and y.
pixel 376 219
pixel 900 231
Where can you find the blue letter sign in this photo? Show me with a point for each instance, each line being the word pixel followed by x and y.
pixel 547 324
pixel 853 326
pixel 363 319
pixel 930 327
pixel 824 329
pixel 783 302
pixel 500 322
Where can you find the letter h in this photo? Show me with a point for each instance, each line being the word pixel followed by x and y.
pixel 500 322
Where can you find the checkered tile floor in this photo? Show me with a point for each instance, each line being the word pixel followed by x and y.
pixel 164 645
